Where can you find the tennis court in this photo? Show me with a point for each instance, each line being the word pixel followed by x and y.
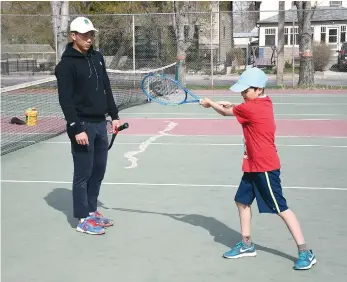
pixel 169 186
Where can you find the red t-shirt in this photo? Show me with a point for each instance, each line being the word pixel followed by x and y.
pixel 258 124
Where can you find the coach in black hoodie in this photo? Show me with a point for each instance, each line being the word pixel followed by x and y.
pixel 85 97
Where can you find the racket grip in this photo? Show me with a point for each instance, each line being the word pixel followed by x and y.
pixel 123 126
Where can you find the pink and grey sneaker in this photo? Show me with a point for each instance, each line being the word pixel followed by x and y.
pixel 89 226
pixel 101 220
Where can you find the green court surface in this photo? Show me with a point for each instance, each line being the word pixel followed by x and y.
pixel 171 195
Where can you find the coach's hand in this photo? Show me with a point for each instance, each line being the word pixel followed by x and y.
pixel 115 124
pixel 82 138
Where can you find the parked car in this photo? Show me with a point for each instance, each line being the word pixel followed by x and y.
pixel 342 57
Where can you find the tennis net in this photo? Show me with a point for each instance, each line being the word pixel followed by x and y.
pixel 43 95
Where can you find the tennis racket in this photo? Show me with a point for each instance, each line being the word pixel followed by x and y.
pixel 112 134
pixel 167 91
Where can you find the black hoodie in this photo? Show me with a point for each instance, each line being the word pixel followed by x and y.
pixel 84 88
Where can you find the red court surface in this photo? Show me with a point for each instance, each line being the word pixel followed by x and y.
pixel 45 125
pixel 146 126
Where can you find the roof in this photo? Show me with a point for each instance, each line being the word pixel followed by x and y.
pixel 245 34
pixel 322 13
pixel 26 48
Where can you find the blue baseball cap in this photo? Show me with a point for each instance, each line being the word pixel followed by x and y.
pixel 252 77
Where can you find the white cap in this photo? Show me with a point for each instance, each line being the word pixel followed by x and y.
pixel 81 25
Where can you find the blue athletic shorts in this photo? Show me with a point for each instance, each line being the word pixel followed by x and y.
pixel 266 188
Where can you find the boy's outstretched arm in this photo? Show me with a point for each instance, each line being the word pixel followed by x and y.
pixel 223 108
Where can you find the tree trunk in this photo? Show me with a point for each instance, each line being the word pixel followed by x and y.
pixel 181 12
pixel 306 74
pixel 280 43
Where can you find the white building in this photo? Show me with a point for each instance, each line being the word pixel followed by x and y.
pixel 329 24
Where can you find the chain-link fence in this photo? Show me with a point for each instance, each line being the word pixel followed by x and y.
pixel 204 50
pixel 214 47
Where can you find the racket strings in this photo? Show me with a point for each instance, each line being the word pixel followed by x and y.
pixel 165 90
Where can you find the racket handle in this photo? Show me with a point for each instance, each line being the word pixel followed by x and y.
pixel 123 126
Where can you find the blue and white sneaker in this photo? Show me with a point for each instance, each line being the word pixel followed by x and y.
pixel 241 250
pixel 89 226
pixel 101 220
pixel 305 261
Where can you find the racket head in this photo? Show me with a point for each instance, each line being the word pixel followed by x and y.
pixel 166 91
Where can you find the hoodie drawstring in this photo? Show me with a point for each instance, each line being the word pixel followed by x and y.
pixel 90 72
pixel 97 77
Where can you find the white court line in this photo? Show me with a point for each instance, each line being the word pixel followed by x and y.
pixel 199 144
pixel 309 104
pixel 288 95
pixel 274 103
pixel 204 135
pixel 214 114
pixel 228 118
pixel 171 184
pixel 27 133
pixel 143 146
pixel 295 104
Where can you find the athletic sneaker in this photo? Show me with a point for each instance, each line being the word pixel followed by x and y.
pixel 241 250
pixel 89 226
pixel 101 220
pixel 305 261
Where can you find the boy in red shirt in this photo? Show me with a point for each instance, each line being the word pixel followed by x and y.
pixel 261 165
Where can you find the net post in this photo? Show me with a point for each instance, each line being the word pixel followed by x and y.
pixel 133 38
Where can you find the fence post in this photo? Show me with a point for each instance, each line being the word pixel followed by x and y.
pixel 280 43
pixel 293 61
pixel 211 38
pixel 133 28
pixel 56 42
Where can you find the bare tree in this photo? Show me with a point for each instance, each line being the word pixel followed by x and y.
pixel 182 18
pixel 60 21
pixel 305 14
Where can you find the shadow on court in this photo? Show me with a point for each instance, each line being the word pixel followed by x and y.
pixel 220 232
pixel 61 200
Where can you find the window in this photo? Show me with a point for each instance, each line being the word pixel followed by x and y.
pixel 333 35
pixel 286 38
pixel 343 33
pixel 335 3
pixel 312 33
pixel 323 34
pixel 291 36
pixel 270 36
pixel 294 36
